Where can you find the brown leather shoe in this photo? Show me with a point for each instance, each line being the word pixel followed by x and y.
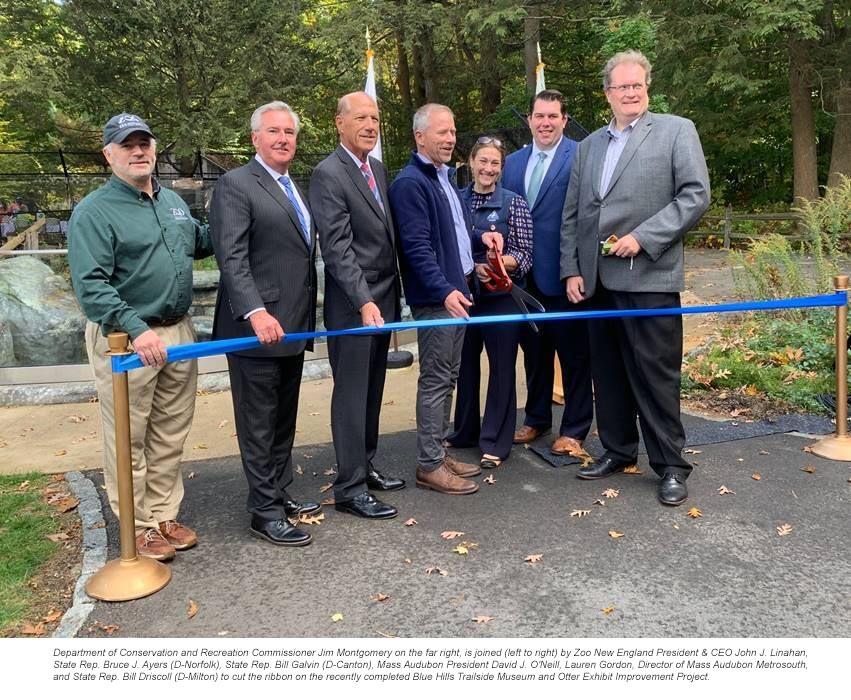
pixel 565 445
pixel 150 543
pixel 528 434
pixel 443 480
pixel 463 469
pixel 178 536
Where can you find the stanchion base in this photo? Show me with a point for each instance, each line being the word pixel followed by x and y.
pixel 399 359
pixel 128 579
pixel 834 447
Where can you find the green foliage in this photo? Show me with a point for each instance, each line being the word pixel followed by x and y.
pixel 25 520
pixel 783 359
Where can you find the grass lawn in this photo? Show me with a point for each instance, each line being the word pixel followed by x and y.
pixel 25 522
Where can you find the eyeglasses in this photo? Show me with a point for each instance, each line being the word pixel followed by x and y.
pixel 621 89
pixel 488 140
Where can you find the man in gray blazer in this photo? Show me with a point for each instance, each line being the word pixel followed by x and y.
pixel 265 244
pixel 348 197
pixel 644 180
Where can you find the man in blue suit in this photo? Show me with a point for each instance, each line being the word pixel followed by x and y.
pixel 541 171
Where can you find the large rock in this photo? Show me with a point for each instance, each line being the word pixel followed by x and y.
pixel 39 309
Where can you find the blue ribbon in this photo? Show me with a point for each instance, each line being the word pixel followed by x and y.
pixel 177 353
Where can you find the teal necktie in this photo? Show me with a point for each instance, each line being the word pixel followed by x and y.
pixel 535 180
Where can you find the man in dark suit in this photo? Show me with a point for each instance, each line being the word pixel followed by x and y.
pixel 265 245
pixel 642 178
pixel 540 172
pixel 348 197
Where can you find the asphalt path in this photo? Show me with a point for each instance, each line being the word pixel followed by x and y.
pixel 727 573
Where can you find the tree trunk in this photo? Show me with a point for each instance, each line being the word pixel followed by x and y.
pixel 419 76
pixel 403 76
pixel 840 156
pixel 491 83
pixel 531 34
pixel 431 73
pixel 804 163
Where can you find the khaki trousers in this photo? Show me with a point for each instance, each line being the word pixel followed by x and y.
pixel 162 402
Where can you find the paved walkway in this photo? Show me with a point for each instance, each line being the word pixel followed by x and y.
pixel 727 573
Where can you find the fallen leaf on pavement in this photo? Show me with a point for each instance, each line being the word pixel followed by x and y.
pixel 690 451
pixel 389 635
pixel 608 611
pixel 311 519
pixel 784 529
pixel 579 513
pixel 694 512
pixel 450 534
pixel 533 558
pixel 479 619
pixel 808 448
pixel 435 570
pixel 67 504
pixel 409 522
pixel 756 476
pixel 408 561
pixel 764 452
pixel 470 545
pixel 298 470
pixel 52 616
pixel 810 469
pixel 614 534
pixel 191 475
pixel 336 617
pixel 611 493
pixel 107 629
pixel 723 490
pixel 327 502
pixel 60 453
pixel 380 597
pixel 599 502
pixel 489 480
pixel 329 472
pixel 192 610
pixel 325 487
pixel 223 423
pixel 199 446
pixel 632 469
pixel 97 526
pixel 460 549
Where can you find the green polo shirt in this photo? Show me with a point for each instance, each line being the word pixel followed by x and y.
pixel 131 256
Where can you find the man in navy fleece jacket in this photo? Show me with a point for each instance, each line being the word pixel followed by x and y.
pixel 436 246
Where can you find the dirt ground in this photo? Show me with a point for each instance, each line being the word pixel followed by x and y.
pixel 65 437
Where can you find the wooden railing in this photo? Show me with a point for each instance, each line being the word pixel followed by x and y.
pixel 728 233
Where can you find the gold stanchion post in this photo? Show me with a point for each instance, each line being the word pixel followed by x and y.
pixel 838 446
pixel 131 576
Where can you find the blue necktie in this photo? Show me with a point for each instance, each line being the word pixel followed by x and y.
pixel 288 188
pixel 536 179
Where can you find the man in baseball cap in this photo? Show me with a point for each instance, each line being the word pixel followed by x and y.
pixel 130 248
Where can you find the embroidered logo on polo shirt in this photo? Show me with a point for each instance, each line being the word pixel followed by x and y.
pixel 179 214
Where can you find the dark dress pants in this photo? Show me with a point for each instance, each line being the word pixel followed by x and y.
pixel 359 365
pixel 568 339
pixel 493 431
pixel 265 405
pixel 636 364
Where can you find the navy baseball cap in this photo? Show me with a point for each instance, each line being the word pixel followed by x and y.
pixel 119 127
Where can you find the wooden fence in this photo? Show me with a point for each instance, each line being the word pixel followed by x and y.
pixel 728 233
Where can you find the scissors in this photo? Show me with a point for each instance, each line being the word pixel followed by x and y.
pixel 499 281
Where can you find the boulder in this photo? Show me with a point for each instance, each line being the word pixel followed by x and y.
pixel 41 314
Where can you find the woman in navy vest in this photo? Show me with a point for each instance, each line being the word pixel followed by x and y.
pixel 493 209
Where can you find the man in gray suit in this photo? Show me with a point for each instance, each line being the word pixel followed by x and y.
pixel 265 244
pixel 642 179
pixel 348 197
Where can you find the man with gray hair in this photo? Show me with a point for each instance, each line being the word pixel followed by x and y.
pixel 637 186
pixel 265 243
pixel 434 231
pixel 130 248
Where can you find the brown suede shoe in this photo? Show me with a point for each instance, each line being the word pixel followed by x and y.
pixel 178 536
pixel 528 434
pixel 150 543
pixel 463 469
pixel 443 480
pixel 565 445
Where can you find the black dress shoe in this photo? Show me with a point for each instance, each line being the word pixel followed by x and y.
pixel 376 481
pixel 293 508
pixel 672 489
pixel 279 532
pixel 603 467
pixel 366 505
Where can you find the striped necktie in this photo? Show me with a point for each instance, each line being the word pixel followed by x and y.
pixel 288 188
pixel 370 182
